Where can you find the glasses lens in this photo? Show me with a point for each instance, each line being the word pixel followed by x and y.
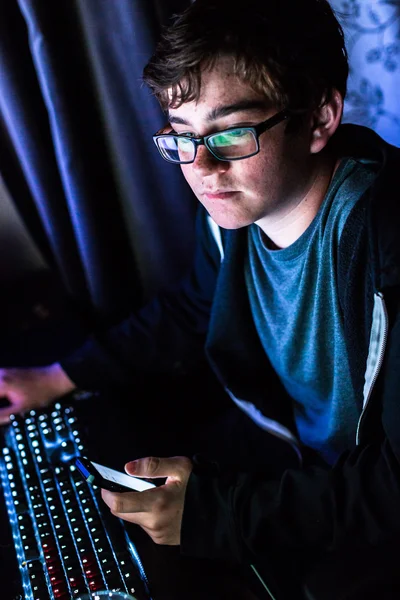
pixel 236 143
pixel 176 149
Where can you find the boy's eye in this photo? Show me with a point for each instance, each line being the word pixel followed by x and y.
pixel 238 133
pixel 230 137
pixel 184 143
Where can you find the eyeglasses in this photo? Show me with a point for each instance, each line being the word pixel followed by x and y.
pixel 235 143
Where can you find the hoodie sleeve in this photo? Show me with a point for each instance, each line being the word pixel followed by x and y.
pixel 167 335
pixel 240 516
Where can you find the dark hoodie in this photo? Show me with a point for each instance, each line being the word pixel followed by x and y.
pixel 242 516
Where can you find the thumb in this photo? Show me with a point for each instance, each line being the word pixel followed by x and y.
pixel 9 405
pixel 5 414
pixel 177 467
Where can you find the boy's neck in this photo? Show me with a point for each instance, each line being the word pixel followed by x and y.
pixel 284 232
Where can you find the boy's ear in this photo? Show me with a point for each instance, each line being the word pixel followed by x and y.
pixel 325 121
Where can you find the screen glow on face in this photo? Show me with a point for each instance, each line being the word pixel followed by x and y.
pixel 234 143
pixel 228 144
pixel 186 149
pixel 122 479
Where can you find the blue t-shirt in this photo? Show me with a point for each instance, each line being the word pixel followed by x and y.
pixel 295 305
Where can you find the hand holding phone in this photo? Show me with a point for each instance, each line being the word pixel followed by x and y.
pixel 109 479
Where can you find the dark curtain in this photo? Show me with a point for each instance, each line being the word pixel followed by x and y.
pixel 112 219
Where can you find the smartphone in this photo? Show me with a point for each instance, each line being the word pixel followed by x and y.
pixel 109 479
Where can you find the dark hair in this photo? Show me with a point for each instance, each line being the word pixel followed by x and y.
pixel 292 51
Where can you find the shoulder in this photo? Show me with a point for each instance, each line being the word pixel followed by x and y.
pixel 374 223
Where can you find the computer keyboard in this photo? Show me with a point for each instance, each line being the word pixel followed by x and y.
pixel 67 542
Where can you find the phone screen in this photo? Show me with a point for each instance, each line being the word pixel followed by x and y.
pixel 128 481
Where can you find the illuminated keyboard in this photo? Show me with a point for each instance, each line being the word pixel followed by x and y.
pixel 67 542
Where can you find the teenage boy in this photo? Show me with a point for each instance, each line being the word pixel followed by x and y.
pixel 295 289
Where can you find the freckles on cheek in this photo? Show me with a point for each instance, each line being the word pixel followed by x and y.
pixel 187 173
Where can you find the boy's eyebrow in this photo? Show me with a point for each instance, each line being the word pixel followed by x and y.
pixel 222 111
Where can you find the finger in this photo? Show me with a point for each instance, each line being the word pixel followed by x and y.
pixel 4 387
pixel 177 467
pixel 5 414
pixel 128 502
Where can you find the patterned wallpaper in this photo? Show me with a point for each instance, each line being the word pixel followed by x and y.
pixel 372 30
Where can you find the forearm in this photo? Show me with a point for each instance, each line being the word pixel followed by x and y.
pixel 243 516
pixel 166 336
pixel 155 341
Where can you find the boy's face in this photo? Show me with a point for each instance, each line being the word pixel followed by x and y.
pixel 261 189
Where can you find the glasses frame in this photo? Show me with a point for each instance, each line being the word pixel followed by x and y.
pixel 257 130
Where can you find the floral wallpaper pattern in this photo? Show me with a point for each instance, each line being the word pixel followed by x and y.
pixel 372 30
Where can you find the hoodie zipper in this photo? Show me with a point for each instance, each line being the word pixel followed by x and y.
pixel 380 352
